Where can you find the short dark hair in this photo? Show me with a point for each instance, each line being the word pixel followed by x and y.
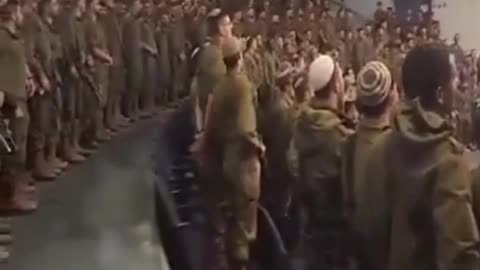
pixel 213 23
pixel 374 111
pixel 232 61
pixel 426 68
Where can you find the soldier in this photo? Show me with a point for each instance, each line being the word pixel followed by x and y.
pixel 420 182
pixel 133 57
pixel 315 156
pixel 100 62
pixel 164 67
pixel 250 24
pixel 39 58
pixel 231 138
pixel 238 28
pixel 210 64
pixel 376 100
pixel 364 50
pixel 116 87
pixel 380 14
pixel 178 52
pixel 69 26
pixel 7 148
pixel 18 193
pixel 277 130
pixel 52 53
pixel 149 56
pixel 251 64
pixel 458 50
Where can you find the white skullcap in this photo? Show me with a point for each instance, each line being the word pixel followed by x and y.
pixel 374 83
pixel 320 72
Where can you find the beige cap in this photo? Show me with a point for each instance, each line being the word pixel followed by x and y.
pixel 374 82
pixel 231 46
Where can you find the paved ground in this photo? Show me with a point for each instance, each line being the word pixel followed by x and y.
pixel 98 215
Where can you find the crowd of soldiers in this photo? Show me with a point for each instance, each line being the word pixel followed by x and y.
pixel 353 127
pixel 75 73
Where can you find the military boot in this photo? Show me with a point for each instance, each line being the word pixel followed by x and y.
pixel 101 133
pixel 4 254
pixel 77 131
pixel 51 155
pixel 68 152
pixel 5 225
pixel 17 197
pixel 6 239
pixel 41 169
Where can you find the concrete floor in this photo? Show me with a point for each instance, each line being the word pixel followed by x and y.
pixel 98 214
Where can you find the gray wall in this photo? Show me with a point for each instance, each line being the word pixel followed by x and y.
pixel 366 7
pixel 460 16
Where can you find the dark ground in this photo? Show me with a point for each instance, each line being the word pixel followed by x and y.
pixel 97 215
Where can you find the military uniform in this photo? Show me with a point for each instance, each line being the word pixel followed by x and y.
pixel 230 154
pixel 116 86
pixel 315 158
pixel 56 99
pixel 40 61
pixel 13 82
pixel 277 127
pixel 420 186
pixel 232 131
pixel 357 151
pixel 69 29
pixel 134 65
pixel 177 41
pixel 149 55
pixel 96 99
pixel 164 65
pixel 210 71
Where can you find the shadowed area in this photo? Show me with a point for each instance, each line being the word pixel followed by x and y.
pixel 97 215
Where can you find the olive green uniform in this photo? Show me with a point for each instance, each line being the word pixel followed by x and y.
pixel 116 86
pixel 420 185
pixel 277 129
pixel 315 157
pixel 68 27
pixel 210 71
pixel 177 41
pixel 357 152
pixel 13 83
pixel 96 101
pixel 40 61
pixel 147 97
pixel 134 65
pixel 233 140
pixel 165 72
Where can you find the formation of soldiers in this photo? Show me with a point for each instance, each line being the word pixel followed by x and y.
pixel 75 73
pixel 349 128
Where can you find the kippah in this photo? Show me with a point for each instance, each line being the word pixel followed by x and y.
pixel 374 82
pixel 320 72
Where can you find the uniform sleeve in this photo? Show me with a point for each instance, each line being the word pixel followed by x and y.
pixel 30 39
pixel 476 194
pixel 454 222
pixel 92 38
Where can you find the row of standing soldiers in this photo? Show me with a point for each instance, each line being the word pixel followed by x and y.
pixel 385 193
pixel 74 73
